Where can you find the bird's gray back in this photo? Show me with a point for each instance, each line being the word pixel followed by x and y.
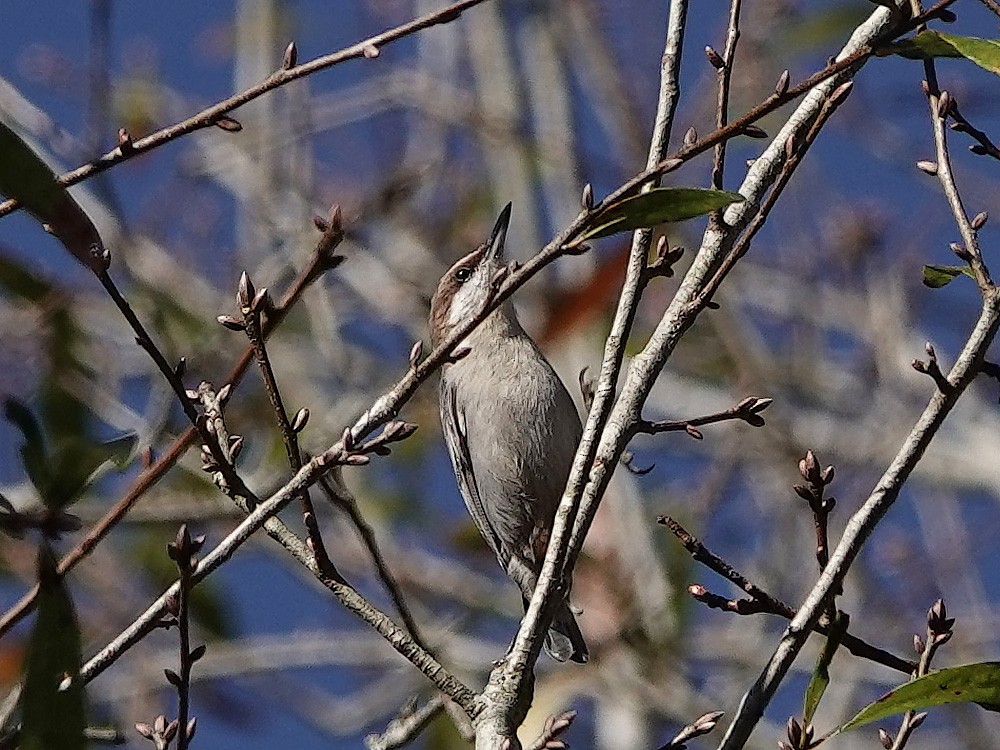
pixel 524 430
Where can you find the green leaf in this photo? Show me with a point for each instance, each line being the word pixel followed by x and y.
pixel 923 46
pixel 938 276
pixel 927 44
pixel 983 52
pixel 33 453
pixel 658 206
pixel 820 679
pixel 78 460
pixel 60 475
pixel 54 717
pixel 972 683
pixel 28 179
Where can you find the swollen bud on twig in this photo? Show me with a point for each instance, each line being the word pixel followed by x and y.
pixel 300 420
pixel 841 92
pixel 781 87
pixel 245 292
pixel 125 142
pixel 229 124
pixel 979 220
pixel 944 104
pixel 714 58
pixel 371 52
pixel 690 136
pixel 224 393
pixel 587 199
pixel 415 353
pixel 960 251
pixel 928 167
pixel 291 56
pixel 233 324
pixel 752 131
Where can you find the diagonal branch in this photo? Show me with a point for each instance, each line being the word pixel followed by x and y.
pixel 213 115
pixel 864 521
pixel 769 604
pixel 322 260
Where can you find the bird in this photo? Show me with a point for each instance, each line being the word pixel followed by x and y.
pixel 510 425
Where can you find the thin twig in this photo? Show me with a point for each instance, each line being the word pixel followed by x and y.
pixel 939 109
pixel 403 729
pixel 182 550
pixel 725 77
pixel 252 306
pixel 887 490
pixel 984 146
pixel 321 261
pixel 209 116
pixel 528 641
pixel 338 494
pixel 769 604
pixel 748 410
pixel 939 632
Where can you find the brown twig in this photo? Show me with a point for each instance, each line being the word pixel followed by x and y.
pixel 410 722
pixel 725 77
pixel 813 492
pixel 748 410
pixel 253 304
pixel 761 601
pixel 336 491
pixel 216 115
pixel 984 146
pixel 182 551
pixel 322 260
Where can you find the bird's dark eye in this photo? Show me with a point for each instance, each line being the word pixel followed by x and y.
pixel 463 274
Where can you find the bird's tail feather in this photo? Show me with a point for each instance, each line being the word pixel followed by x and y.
pixel 564 639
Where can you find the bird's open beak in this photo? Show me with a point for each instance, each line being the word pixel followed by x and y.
pixel 494 250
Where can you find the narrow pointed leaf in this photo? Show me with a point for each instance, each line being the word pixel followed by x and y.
pixel 922 46
pixel 928 44
pixel 659 206
pixel 983 52
pixel 972 683
pixel 820 679
pixel 53 705
pixel 28 179
pixel 80 460
pixel 33 452
pixel 938 276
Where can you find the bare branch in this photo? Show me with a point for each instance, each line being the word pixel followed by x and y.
pixel 216 115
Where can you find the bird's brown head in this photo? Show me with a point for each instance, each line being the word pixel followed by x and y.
pixel 463 290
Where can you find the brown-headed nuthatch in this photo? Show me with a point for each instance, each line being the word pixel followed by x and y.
pixel 511 427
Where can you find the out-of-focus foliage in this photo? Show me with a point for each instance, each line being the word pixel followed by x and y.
pixel 53 696
pixel 523 102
